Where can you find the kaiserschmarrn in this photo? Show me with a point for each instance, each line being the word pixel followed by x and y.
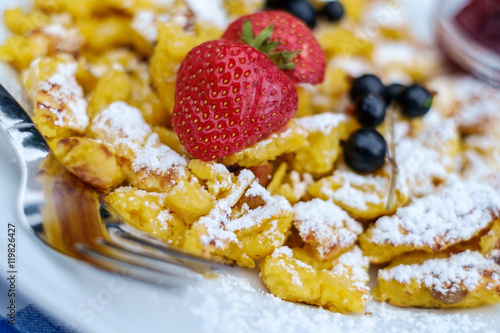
pixel 102 76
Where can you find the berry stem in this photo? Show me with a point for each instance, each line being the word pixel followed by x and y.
pixel 392 160
pixel 262 42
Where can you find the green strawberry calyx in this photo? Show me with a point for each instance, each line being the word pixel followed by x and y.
pixel 262 42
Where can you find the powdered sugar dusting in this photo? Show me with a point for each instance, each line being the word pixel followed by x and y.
pixel 273 207
pixel 359 191
pixel 221 179
pixel 63 38
pixel 145 22
pixel 386 13
pixel 300 186
pixel 423 167
pixel 55 30
pixel 67 100
pixel 355 264
pixel 296 281
pixel 480 167
pixel 122 126
pixel 354 66
pixel 219 216
pixel 472 103
pixel 283 250
pixel 220 223
pixel 282 135
pixel 400 53
pixel 233 304
pixel 476 112
pixel 209 10
pixel 445 275
pixel 323 122
pixel 158 159
pixel 390 53
pixel 326 225
pixel 454 214
pixel 164 216
pixel 256 190
pixel 425 160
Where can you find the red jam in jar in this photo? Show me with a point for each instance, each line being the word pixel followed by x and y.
pixel 480 20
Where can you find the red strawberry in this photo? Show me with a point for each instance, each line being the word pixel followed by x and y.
pixel 294 35
pixel 228 96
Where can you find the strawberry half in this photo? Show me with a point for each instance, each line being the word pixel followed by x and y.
pixel 293 35
pixel 228 96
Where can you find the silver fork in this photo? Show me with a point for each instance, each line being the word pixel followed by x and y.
pixel 72 218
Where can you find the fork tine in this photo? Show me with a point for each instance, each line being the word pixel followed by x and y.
pixel 128 233
pixel 129 236
pixel 123 263
pixel 126 242
pixel 147 260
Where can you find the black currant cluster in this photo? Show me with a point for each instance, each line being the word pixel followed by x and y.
pixel 302 9
pixel 365 150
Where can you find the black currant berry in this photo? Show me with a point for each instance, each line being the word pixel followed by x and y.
pixel 392 92
pixel 365 150
pixel 303 10
pixel 370 110
pixel 333 11
pixel 415 101
pixel 276 4
pixel 366 84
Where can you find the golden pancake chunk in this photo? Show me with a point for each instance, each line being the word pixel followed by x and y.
pixel 216 176
pixel 122 127
pixel 342 288
pixel 435 222
pixel 147 212
pixel 292 185
pixel 244 225
pixel 472 104
pixel 145 24
pixel 38 35
pixel 60 109
pixel 490 243
pixel 313 140
pixel 324 132
pixel 148 164
pixel 364 197
pixel 414 59
pixel 465 279
pixel 426 159
pixel 89 160
pixel 287 140
pixel 326 227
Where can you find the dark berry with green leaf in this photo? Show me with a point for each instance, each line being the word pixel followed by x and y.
pixel 415 101
pixel 365 150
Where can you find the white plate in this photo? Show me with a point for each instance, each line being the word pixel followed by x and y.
pixel 95 301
